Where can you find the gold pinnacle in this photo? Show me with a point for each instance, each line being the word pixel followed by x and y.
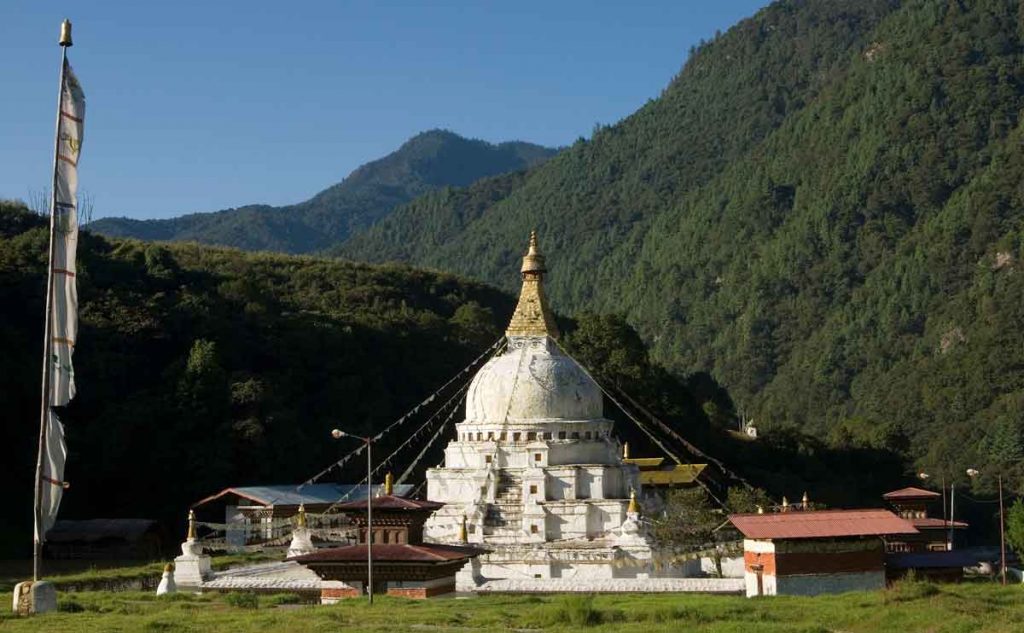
pixel 65 33
pixel 191 526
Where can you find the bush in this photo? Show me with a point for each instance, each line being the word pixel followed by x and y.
pixel 242 600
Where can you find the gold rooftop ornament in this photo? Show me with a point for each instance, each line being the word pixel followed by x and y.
pixel 65 33
pixel 389 484
pixel 463 532
pixel 191 526
pixel 532 316
pixel 300 518
pixel 634 507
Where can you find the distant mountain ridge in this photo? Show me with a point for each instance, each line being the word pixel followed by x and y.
pixel 427 162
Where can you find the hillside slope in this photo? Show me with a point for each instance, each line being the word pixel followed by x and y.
pixel 202 367
pixel 426 162
pixel 823 210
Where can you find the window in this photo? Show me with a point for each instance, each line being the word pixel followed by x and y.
pixel 502 436
pixel 533 489
pixel 487 459
pixel 537 457
pixel 479 436
pixel 490 435
pixel 561 435
pixel 586 435
pixel 516 437
pixel 547 435
pixel 533 529
pixel 536 575
pixel 531 436
pixel 575 435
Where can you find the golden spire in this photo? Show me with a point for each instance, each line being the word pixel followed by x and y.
pixel 191 526
pixel 65 33
pixel 634 507
pixel 625 451
pixel 760 509
pixel 389 484
pixel 532 316
pixel 463 532
pixel 805 502
pixel 300 518
pixel 785 504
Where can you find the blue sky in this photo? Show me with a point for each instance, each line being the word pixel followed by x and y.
pixel 202 105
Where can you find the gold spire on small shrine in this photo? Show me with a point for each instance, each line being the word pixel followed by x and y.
pixel 785 504
pixel 300 518
pixel 625 451
pixel 634 507
pixel 532 316
pixel 805 502
pixel 389 484
pixel 463 532
pixel 191 536
pixel 760 509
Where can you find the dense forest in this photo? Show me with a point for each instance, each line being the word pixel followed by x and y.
pixel 426 162
pixel 202 367
pixel 822 212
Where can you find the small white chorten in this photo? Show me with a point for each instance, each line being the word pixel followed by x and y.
pixel 193 566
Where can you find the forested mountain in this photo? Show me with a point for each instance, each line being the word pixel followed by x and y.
pixel 201 367
pixel 426 162
pixel 823 210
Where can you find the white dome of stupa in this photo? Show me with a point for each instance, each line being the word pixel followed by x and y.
pixel 533 381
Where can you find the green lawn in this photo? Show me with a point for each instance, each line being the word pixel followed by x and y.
pixel 973 607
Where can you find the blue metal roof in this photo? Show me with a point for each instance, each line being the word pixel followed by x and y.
pixel 310 494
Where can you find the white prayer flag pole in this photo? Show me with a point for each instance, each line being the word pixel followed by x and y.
pixel 61 326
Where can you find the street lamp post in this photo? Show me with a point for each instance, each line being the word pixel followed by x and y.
pixel 338 434
pixel 972 473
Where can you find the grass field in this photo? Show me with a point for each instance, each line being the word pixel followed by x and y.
pixel 972 607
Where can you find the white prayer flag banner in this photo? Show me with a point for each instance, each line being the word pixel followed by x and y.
pixel 64 301
pixel 53 472
pixel 64 322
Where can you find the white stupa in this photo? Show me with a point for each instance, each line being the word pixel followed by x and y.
pixel 535 468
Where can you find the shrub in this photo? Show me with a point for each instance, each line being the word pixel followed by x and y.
pixel 242 600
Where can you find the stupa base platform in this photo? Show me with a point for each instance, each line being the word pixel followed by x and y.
pixel 614 585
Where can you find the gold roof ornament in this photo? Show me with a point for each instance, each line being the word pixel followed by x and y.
pixel 760 509
pixel 532 316
pixel 65 33
pixel 785 504
pixel 300 518
pixel 805 502
pixel 463 532
pixel 625 451
pixel 634 507
pixel 389 484
pixel 191 536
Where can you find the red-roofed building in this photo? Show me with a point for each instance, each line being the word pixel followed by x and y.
pixel 403 564
pixel 914 505
pixel 814 552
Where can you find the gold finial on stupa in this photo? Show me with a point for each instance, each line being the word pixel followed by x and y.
pixel 300 518
pixel 463 532
pixel 625 451
pixel 65 33
pixel 760 509
pixel 634 507
pixel 805 502
pixel 389 484
pixel 532 316
pixel 191 536
pixel 785 504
